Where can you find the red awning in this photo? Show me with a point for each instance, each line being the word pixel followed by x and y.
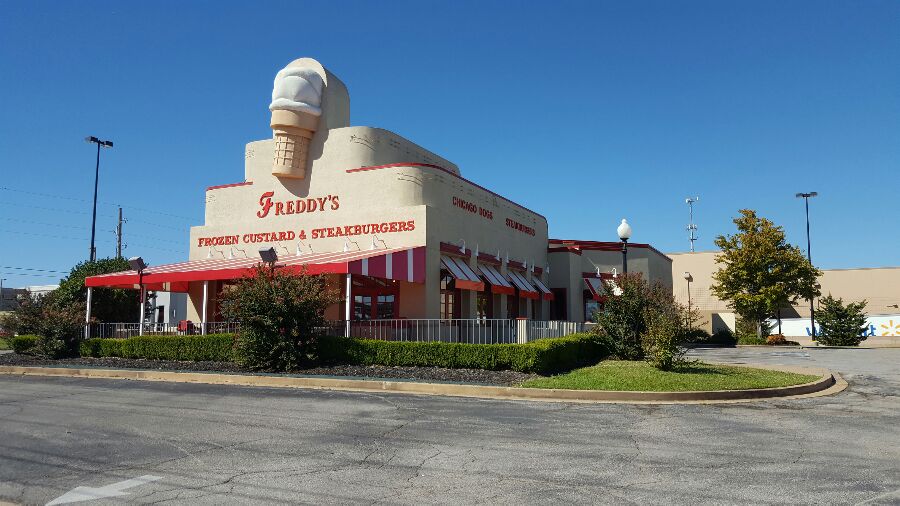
pixel 545 292
pixel 405 264
pixel 464 276
pixel 526 289
pixel 595 285
pixel 499 284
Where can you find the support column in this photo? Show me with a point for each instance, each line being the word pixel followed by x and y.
pixel 522 330
pixel 347 301
pixel 205 306
pixel 87 313
pixel 141 317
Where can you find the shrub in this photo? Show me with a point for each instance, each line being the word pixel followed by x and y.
pixel 545 356
pixel 279 312
pixel 696 336
pixel 24 344
pixel 640 321
pixel 776 340
pixel 662 339
pixel 212 347
pixel 841 325
pixel 722 337
pixel 751 340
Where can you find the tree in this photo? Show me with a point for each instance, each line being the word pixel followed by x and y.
pixel 59 325
pixel 281 315
pixel 759 271
pixel 841 325
pixel 642 321
pixel 107 304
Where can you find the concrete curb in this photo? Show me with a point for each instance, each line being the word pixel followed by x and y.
pixel 826 381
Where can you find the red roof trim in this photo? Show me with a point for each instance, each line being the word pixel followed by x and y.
pixel 218 187
pixel 448 171
pixel 603 275
pixel 564 249
pixel 601 246
pixel 489 259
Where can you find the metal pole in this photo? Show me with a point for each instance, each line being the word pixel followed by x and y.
pixel 87 314
pixel 812 311
pixel 624 256
pixel 347 302
pixel 205 305
pixel 119 235
pixel 93 255
pixel 689 304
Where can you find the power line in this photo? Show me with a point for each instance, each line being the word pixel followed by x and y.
pixel 31 269
pixel 28 275
pixel 106 203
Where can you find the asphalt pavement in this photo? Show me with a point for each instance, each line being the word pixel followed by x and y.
pixel 209 444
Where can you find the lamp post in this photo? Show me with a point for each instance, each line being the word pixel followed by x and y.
pixel 106 144
pixel 624 231
pixel 812 313
pixel 137 263
pixel 688 278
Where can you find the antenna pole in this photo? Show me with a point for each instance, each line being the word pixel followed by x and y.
pixel 691 227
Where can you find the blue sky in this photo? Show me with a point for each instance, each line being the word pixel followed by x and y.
pixel 587 112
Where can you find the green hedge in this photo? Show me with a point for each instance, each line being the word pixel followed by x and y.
pixel 545 356
pixel 212 347
pixel 24 344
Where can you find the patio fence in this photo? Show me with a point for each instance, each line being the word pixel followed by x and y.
pixel 469 331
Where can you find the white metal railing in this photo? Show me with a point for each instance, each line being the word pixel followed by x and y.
pixel 455 330
pixel 123 330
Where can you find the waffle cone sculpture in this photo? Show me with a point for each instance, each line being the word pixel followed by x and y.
pixel 296 108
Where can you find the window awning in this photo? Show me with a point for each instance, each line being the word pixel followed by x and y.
pixel 499 284
pixel 595 285
pixel 464 276
pixel 525 287
pixel 403 264
pixel 545 292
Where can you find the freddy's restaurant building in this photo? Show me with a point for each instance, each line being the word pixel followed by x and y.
pixel 393 225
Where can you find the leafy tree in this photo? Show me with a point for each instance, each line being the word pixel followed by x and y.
pixel 58 324
pixel 642 321
pixel 281 315
pixel 840 324
pixel 759 271
pixel 107 304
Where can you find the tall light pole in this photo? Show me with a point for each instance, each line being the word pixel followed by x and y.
pixel 689 278
pixel 812 311
pixel 106 144
pixel 624 231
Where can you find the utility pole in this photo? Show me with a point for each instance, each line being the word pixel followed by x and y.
pixel 119 235
pixel 691 227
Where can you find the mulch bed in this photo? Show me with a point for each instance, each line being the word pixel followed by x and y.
pixel 478 376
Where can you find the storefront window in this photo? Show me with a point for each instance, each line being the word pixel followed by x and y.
pixel 448 297
pixel 512 307
pixel 362 307
pixel 385 307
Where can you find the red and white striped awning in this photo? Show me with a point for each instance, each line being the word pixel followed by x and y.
pixel 526 289
pixel 499 284
pixel 465 277
pixel 545 292
pixel 404 264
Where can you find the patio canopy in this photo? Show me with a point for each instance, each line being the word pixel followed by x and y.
pixel 404 264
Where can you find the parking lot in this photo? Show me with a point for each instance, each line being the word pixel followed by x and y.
pixel 223 444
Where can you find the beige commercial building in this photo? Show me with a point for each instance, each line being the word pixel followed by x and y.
pixel 396 228
pixel 879 287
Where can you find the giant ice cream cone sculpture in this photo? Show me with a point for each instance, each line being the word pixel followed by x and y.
pixel 296 107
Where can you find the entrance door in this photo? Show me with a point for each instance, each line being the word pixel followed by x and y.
pixel 374 299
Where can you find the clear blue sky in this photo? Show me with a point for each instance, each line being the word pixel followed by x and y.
pixel 587 112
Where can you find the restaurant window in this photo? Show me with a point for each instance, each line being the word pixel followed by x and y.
pixel 484 305
pixel 512 307
pixel 385 310
pixel 449 298
pixel 362 307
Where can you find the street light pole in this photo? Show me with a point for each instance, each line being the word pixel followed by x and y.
pixel 812 311
pixel 99 143
pixel 624 231
pixel 688 277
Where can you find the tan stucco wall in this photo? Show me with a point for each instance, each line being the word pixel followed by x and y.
pixel 880 287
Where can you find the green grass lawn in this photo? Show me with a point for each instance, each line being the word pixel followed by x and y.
pixel 640 376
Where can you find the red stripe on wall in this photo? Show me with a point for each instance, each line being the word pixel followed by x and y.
pixel 419 265
pixel 400 265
